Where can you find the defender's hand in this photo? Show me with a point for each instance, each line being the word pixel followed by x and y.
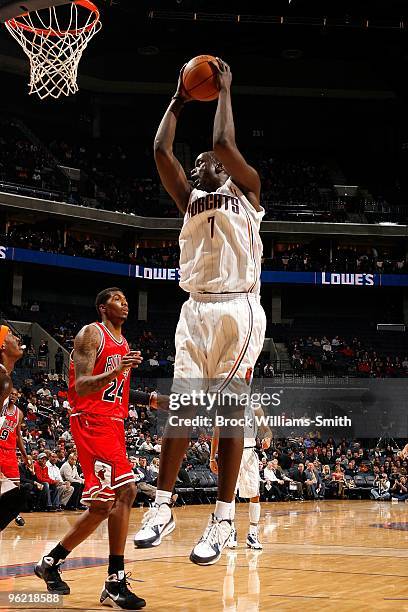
pixel 224 74
pixel 214 466
pixel 159 402
pixel 131 360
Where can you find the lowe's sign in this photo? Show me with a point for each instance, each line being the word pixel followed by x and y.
pixel 326 279
pixel 334 278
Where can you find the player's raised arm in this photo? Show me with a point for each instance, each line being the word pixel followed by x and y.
pixel 85 349
pixel 224 145
pixel 171 172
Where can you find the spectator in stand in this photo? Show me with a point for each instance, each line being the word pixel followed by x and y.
pixel 59 361
pixel 69 473
pixel 43 350
pixel 49 484
pixel 274 482
pixel 147 445
pixel 144 479
pixel 44 391
pixel 399 490
pixel 38 497
pixel 298 476
pixel 154 468
pixel 65 489
pixel 314 483
pixel 381 488
pixel 32 404
pixel 157 446
pixel 338 480
pixel 351 469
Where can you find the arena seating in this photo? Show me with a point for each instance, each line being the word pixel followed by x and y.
pixel 124 179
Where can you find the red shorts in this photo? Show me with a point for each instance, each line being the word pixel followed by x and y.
pixel 101 447
pixel 9 464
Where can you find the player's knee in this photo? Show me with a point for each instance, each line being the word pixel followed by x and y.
pixel 127 494
pixel 100 510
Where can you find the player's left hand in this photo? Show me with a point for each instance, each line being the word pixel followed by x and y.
pixel 266 442
pixel 224 74
pixel 159 402
pixel 136 357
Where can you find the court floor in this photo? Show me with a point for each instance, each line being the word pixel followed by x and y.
pixel 331 555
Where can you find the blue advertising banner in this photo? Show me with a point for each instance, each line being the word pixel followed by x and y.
pixel 331 279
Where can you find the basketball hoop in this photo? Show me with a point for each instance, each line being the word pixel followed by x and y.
pixel 54 43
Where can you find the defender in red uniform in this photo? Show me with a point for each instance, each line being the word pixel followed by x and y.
pixel 12 499
pixel 11 418
pixel 99 394
pixel 97 420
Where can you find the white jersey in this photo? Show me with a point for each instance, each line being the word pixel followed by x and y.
pixel 220 244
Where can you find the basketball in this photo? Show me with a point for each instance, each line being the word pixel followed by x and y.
pixel 200 78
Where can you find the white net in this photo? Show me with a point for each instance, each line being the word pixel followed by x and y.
pixel 54 41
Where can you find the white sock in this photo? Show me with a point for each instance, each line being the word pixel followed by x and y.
pixel 232 515
pixel 254 516
pixel 222 510
pixel 162 497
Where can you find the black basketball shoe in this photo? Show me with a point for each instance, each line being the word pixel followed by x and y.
pixel 117 594
pixel 19 521
pixel 50 572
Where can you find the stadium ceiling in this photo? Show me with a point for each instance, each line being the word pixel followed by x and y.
pixel 364 44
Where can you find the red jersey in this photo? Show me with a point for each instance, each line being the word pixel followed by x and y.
pixel 112 400
pixel 9 418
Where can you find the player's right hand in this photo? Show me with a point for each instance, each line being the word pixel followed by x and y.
pixel 180 91
pixel 223 73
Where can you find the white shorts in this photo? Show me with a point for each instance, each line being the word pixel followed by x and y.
pixel 218 340
pixel 248 477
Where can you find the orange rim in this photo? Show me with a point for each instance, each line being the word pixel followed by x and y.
pixel 86 4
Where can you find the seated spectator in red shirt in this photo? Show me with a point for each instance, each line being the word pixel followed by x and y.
pixel 363 367
pixel 347 351
pixel 50 485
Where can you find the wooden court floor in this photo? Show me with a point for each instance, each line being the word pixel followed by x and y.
pixel 331 555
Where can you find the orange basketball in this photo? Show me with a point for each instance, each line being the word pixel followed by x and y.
pixel 200 78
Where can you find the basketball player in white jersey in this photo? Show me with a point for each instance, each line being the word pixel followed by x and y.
pixel 248 483
pixel 222 325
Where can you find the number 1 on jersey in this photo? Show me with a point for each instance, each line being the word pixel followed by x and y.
pixel 211 220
